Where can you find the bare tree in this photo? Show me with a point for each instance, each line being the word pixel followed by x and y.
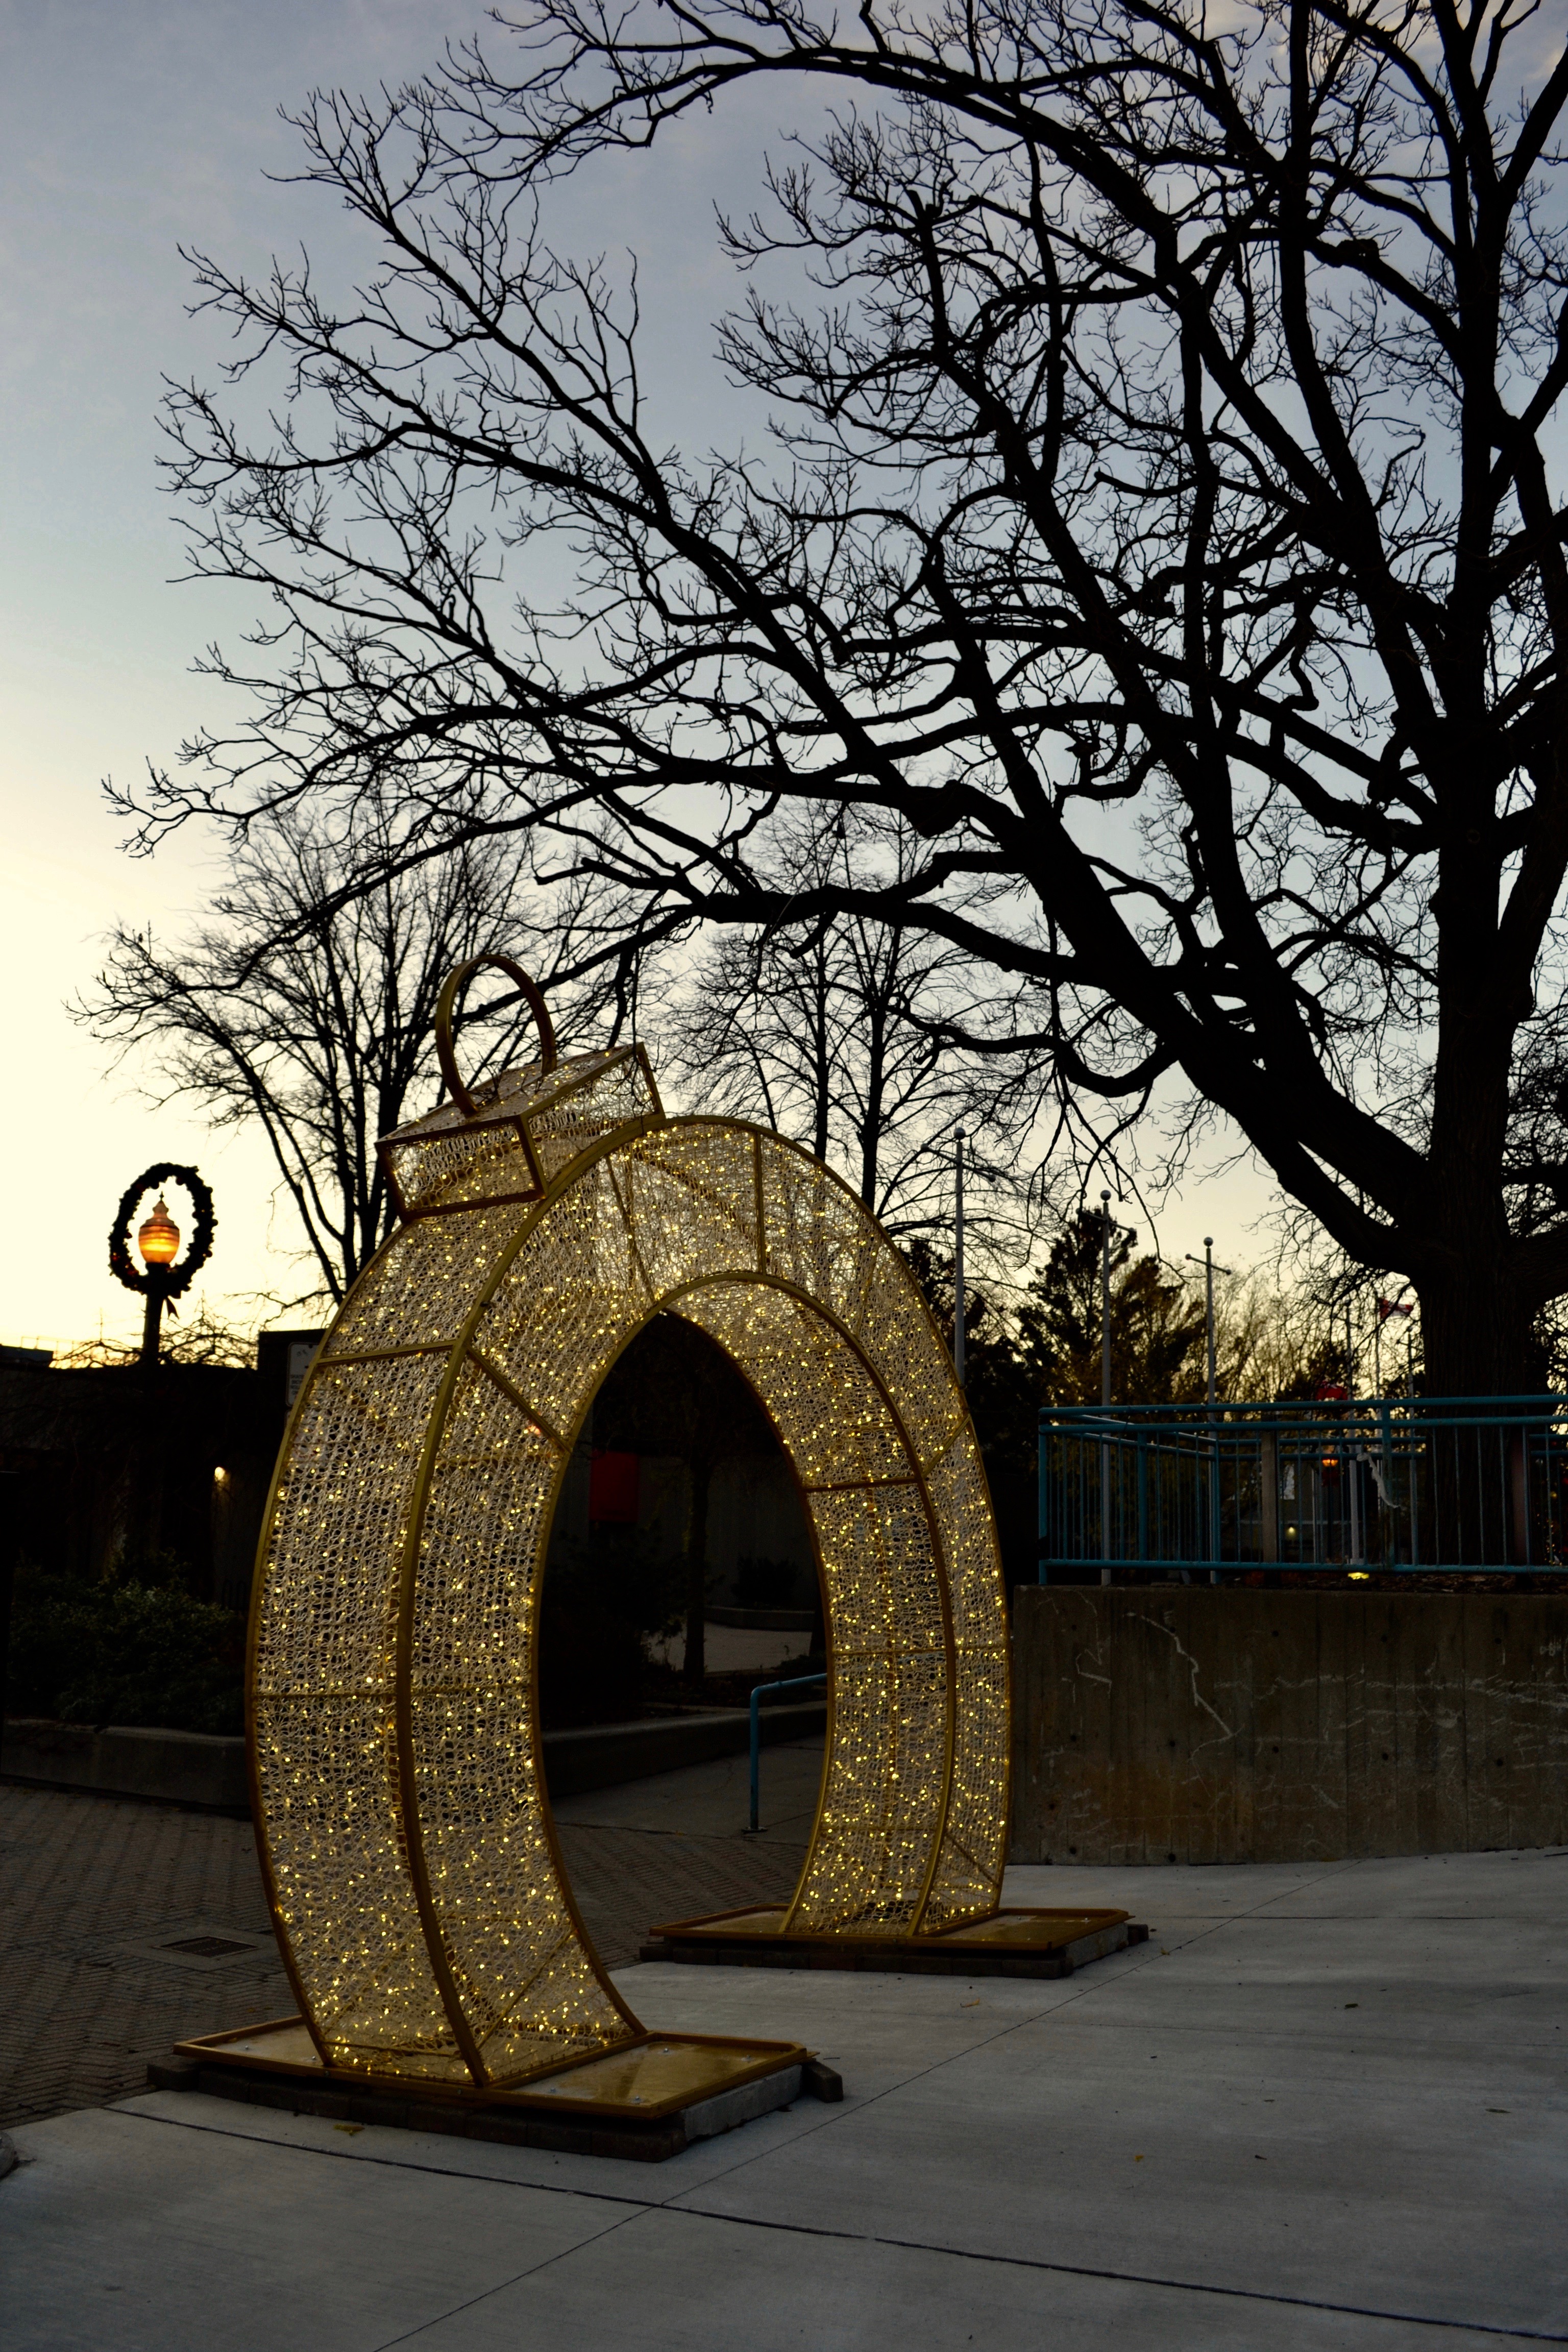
pixel 838 1031
pixel 1158 517
pixel 307 1008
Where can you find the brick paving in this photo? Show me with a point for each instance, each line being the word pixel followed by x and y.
pixel 93 1889
pixel 627 1880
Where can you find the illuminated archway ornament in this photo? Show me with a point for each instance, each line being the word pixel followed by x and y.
pixel 405 1835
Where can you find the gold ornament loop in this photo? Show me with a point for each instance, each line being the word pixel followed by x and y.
pixel 422 1906
pixel 447 1006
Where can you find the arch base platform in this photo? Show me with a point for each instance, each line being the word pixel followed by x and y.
pixel 646 2100
pixel 1010 1943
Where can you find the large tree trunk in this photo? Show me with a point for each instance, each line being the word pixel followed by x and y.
pixel 1475 1332
pixel 1471 1480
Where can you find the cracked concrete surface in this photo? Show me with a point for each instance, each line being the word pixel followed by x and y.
pixel 1202 1725
pixel 1323 2107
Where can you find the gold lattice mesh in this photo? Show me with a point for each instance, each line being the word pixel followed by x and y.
pixel 405 1826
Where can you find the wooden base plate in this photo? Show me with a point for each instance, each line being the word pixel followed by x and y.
pixel 1011 1943
pixel 646 2099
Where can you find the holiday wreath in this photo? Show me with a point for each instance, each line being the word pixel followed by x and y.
pixel 172 1281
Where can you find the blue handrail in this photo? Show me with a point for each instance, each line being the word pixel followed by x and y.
pixel 797 1682
pixel 1354 1484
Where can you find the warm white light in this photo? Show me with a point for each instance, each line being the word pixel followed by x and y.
pixel 159 1237
pixel 549 1237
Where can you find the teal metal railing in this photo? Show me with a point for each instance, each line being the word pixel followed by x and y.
pixel 1473 1482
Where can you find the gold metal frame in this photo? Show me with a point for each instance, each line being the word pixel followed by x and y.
pixel 407 1846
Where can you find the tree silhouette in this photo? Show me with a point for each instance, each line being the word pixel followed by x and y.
pixel 1157 1327
pixel 306 1008
pixel 838 1030
pixel 1156 516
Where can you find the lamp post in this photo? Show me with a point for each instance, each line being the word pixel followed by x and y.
pixel 158 1240
pixel 1109 1231
pixel 159 1280
pixel 963 1161
pixel 1210 1270
pixel 1385 1307
pixel 958 1259
pixel 1126 1232
pixel 1105 1298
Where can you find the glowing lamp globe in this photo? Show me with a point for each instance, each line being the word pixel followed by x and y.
pixel 158 1238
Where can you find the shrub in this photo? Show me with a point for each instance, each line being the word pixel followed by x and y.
pixel 124 1651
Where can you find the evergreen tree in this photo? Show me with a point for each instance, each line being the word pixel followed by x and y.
pixel 1156 1326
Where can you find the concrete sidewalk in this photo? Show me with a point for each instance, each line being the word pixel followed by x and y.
pixel 1323 2107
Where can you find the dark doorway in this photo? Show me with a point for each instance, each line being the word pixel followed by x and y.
pixel 679 1511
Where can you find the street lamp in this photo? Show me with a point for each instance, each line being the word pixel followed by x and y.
pixel 961 1153
pixel 1109 1232
pixel 958 1258
pixel 1126 1234
pixel 158 1244
pixel 1210 1270
pixel 158 1239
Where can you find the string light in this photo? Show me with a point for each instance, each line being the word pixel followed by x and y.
pixel 405 1832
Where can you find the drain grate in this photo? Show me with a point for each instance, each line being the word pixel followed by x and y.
pixel 207 1947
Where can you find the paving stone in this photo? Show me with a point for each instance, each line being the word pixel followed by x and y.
pixel 627 1880
pixel 94 1887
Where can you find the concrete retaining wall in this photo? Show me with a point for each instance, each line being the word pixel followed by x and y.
pixel 181 1768
pixel 605 1754
pixel 1196 1724
pixel 188 1768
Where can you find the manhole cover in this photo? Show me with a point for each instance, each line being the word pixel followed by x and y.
pixel 207 1947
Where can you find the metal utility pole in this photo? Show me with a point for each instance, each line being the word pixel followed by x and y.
pixel 1352 1452
pixel 1105 1385
pixel 1385 1307
pixel 1210 1270
pixel 1106 1231
pixel 958 1261
pixel 1105 1298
